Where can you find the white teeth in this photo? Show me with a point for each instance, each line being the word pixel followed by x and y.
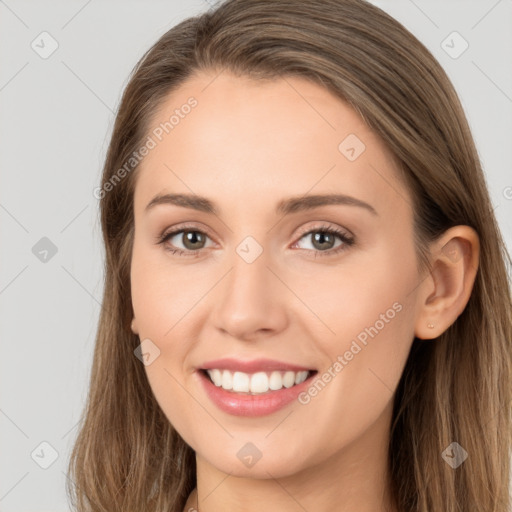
pixel 227 380
pixel 276 381
pixel 241 381
pixel 259 382
pixel 289 379
pixel 216 376
pixel 300 377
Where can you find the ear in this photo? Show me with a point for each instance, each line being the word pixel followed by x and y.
pixel 444 293
pixel 135 330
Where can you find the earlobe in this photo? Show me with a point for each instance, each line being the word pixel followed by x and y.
pixel 446 291
pixel 134 326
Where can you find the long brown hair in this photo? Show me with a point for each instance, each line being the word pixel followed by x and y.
pixel 127 456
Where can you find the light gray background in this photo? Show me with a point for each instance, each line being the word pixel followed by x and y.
pixel 56 119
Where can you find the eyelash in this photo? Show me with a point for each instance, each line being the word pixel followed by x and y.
pixel 347 240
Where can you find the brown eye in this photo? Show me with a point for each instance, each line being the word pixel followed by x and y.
pixel 185 241
pixel 193 240
pixel 323 240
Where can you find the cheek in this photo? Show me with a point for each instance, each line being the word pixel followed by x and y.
pixel 362 297
pixel 170 391
pixel 370 314
pixel 161 293
pixel 370 309
pixel 160 307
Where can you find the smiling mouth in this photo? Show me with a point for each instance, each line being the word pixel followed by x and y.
pixel 256 383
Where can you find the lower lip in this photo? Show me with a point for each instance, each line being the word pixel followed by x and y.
pixel 251 405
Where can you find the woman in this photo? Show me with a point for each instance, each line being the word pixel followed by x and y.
pixel 306 303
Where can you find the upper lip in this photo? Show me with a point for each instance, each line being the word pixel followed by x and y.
pixel 252 366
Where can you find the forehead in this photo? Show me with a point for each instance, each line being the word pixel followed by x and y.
pixel 236 138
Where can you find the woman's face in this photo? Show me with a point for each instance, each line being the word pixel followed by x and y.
pixel 261 279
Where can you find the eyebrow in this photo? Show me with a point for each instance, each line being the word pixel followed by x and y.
pixel 285 206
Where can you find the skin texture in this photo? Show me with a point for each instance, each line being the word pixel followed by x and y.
pixel 245 146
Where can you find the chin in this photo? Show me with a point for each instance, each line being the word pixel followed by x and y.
pixel 272 462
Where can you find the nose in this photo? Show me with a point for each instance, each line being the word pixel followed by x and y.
pixel 251 301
